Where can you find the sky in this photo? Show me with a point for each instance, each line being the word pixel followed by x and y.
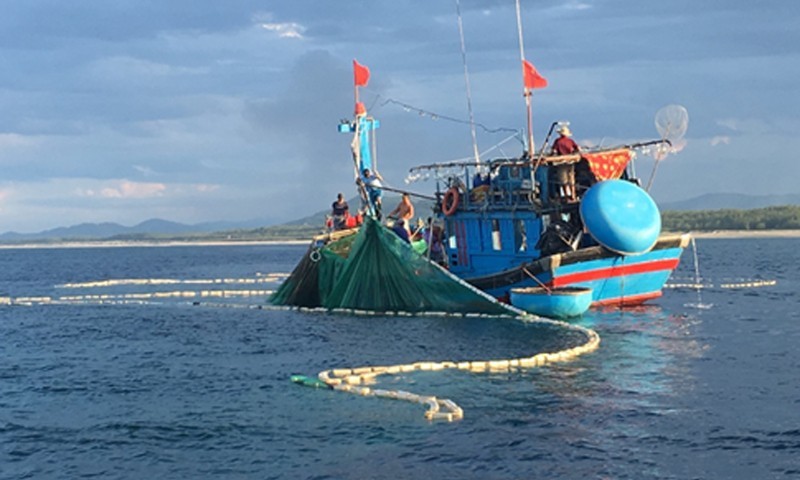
pixel 200 110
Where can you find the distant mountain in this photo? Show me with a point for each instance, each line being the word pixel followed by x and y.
pixel 156 227
pixel 735 201
pixel 110 230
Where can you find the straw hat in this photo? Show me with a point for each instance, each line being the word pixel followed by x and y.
pixel 564 130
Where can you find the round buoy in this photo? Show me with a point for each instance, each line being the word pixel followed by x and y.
pixel 621 217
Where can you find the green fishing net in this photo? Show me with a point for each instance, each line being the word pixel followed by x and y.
pixel 376 270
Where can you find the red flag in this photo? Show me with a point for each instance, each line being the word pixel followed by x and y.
pixel 360 74
pixel 360 109
pixel 608 165
pixel 531 77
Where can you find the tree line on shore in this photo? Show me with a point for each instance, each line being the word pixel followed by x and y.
pixel 769 218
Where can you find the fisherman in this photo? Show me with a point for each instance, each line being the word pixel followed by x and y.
pixel 564 144
pixel 404 211
pixel 340 211
pixel 564 173
pixel 399 229
pixel 432 234
pixel 372 182
pixel 480 187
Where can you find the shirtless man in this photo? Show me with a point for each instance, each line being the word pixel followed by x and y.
pixel 404 211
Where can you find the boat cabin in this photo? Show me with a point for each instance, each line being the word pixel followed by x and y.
pixel 506 212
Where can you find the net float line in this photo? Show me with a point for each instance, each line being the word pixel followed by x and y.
pixel 734 285
pixel 354 380
pixel 139 298
pixel 358 380
pixel 260 278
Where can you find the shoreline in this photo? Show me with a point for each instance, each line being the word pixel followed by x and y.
pixel 715 234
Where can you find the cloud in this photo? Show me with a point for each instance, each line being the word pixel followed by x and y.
pixel 213 109
pixel 127 67
pixel 205 188
pixel 747 126
pixel 285 30
pixel 144 170
pixel 15 140
pixel 577 6
pixel 5 193
pixel 127 189
pixel 720 140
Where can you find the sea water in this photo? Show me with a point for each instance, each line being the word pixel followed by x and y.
pixel 170 370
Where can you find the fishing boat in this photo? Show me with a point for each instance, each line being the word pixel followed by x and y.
pixel 515 228
pixel 547 220
pixel 537 223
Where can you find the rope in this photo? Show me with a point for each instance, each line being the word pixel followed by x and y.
pixel 355 380
pixel 436 116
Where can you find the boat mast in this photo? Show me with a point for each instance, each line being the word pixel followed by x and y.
pixel 527 92
pixel 466 81
pixel 361 127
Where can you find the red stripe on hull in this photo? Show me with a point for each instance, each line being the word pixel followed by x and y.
pixel 619 271
pixel 627 300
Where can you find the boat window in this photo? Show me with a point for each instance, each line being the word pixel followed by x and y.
pixel 520 236
pixel 497 243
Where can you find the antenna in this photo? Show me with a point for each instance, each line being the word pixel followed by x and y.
pixel 466 81
pixel 527 92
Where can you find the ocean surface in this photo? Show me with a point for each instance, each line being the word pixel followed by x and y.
pixel 159 362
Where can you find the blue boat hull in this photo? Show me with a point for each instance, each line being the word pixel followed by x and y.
pixel 614 279
pixel 564 302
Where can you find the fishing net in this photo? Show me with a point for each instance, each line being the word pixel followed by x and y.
pixel 671 122
pixel 376 270
pixel 301 287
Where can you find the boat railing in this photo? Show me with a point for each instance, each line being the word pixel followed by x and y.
pixel 516 183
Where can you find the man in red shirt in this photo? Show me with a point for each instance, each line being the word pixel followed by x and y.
pixel 564 145
pixel 565 173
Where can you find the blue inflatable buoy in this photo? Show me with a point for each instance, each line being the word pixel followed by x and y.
pixel 621 217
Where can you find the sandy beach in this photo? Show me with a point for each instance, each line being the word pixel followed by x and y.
pixel 716 234
pixel 748 234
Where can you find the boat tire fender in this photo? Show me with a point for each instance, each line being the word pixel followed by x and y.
pixel 450 201
pixel 315 256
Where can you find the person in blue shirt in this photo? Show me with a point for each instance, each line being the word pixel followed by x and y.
pixel 372 182
pixel 399 228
